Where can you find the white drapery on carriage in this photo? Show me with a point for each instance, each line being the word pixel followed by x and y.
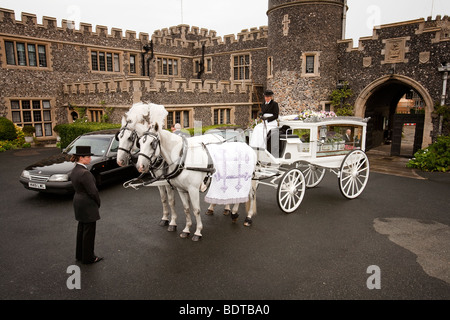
pixel 234 164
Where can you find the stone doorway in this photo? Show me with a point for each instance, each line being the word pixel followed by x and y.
pixel 380 101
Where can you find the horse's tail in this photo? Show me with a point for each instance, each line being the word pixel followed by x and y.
pixel 252 197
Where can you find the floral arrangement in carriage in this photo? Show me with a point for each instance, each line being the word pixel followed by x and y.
pixel 312 115
pixel 309 115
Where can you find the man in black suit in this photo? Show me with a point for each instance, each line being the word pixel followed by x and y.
pixel 86 204
pixel 269 115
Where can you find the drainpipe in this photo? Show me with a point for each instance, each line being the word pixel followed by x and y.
pixel 344 19
pixel 202 63
pixel 147 48
pixel 445 68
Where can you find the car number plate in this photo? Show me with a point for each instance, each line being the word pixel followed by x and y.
pixel 36 185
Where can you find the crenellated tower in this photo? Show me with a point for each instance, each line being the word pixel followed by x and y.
pixel 302 51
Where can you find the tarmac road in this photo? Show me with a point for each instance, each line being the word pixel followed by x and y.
pixel 391 243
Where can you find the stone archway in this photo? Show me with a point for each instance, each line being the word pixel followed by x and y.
pixel 392 86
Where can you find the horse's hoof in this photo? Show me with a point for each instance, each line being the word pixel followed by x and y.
pixel 226 212
pixel 172 228
pixel 164 223
pixel 209 212
pixel 234 217
pixel 248 222
pixel 196 237
pixel 184 235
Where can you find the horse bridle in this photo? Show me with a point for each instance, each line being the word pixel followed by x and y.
pixel 132 138
pixel 154 145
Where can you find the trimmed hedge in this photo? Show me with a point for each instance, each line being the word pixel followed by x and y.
pixel 7 129
pixel 68 132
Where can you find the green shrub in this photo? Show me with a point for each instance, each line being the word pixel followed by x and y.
pixel 339 98
pixel 68 132
pixel 434 158
pixel 7 129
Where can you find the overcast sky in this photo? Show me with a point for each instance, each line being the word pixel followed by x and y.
pixel 223 16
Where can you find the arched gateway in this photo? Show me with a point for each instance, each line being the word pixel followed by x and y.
pixel 379 101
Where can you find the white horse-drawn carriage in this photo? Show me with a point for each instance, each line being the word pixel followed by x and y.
pixel 300 152
pixel 297 155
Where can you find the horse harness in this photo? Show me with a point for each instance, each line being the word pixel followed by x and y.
pixel 180 163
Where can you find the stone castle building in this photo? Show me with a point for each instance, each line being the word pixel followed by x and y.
pixel 51 74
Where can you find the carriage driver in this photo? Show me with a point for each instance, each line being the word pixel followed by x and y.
pixel 269 115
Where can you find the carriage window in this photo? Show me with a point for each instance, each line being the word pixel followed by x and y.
pixel 304 134
pixel 339 138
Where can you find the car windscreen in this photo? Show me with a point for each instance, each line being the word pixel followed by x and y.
pixel 99 145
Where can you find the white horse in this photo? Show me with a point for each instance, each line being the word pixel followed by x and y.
pixel 128 137
pixel 187 163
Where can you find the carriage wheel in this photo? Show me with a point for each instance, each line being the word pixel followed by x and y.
pixel 313 174
pixel 291 190
pixel 354 174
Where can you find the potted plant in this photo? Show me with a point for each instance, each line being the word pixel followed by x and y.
pixel 29 133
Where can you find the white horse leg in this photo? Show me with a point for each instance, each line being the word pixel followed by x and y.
pixel 186 205
pixel 195 202
pixel 165 218
pixel 171 200
pixel 251 204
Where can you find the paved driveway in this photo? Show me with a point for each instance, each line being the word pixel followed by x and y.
pixel 390 243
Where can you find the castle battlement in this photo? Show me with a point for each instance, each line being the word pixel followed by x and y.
pixel 440 27
pixel 176 36
pixel 183 35
pixel 29 19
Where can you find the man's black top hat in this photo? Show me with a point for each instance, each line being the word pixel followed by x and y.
pixel 83 151
pixel 268 93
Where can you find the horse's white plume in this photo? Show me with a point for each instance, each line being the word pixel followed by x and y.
pixel 158 114
pixel 137 113
pixel 145 113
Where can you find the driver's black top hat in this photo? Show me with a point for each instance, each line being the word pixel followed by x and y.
pixel 83 151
